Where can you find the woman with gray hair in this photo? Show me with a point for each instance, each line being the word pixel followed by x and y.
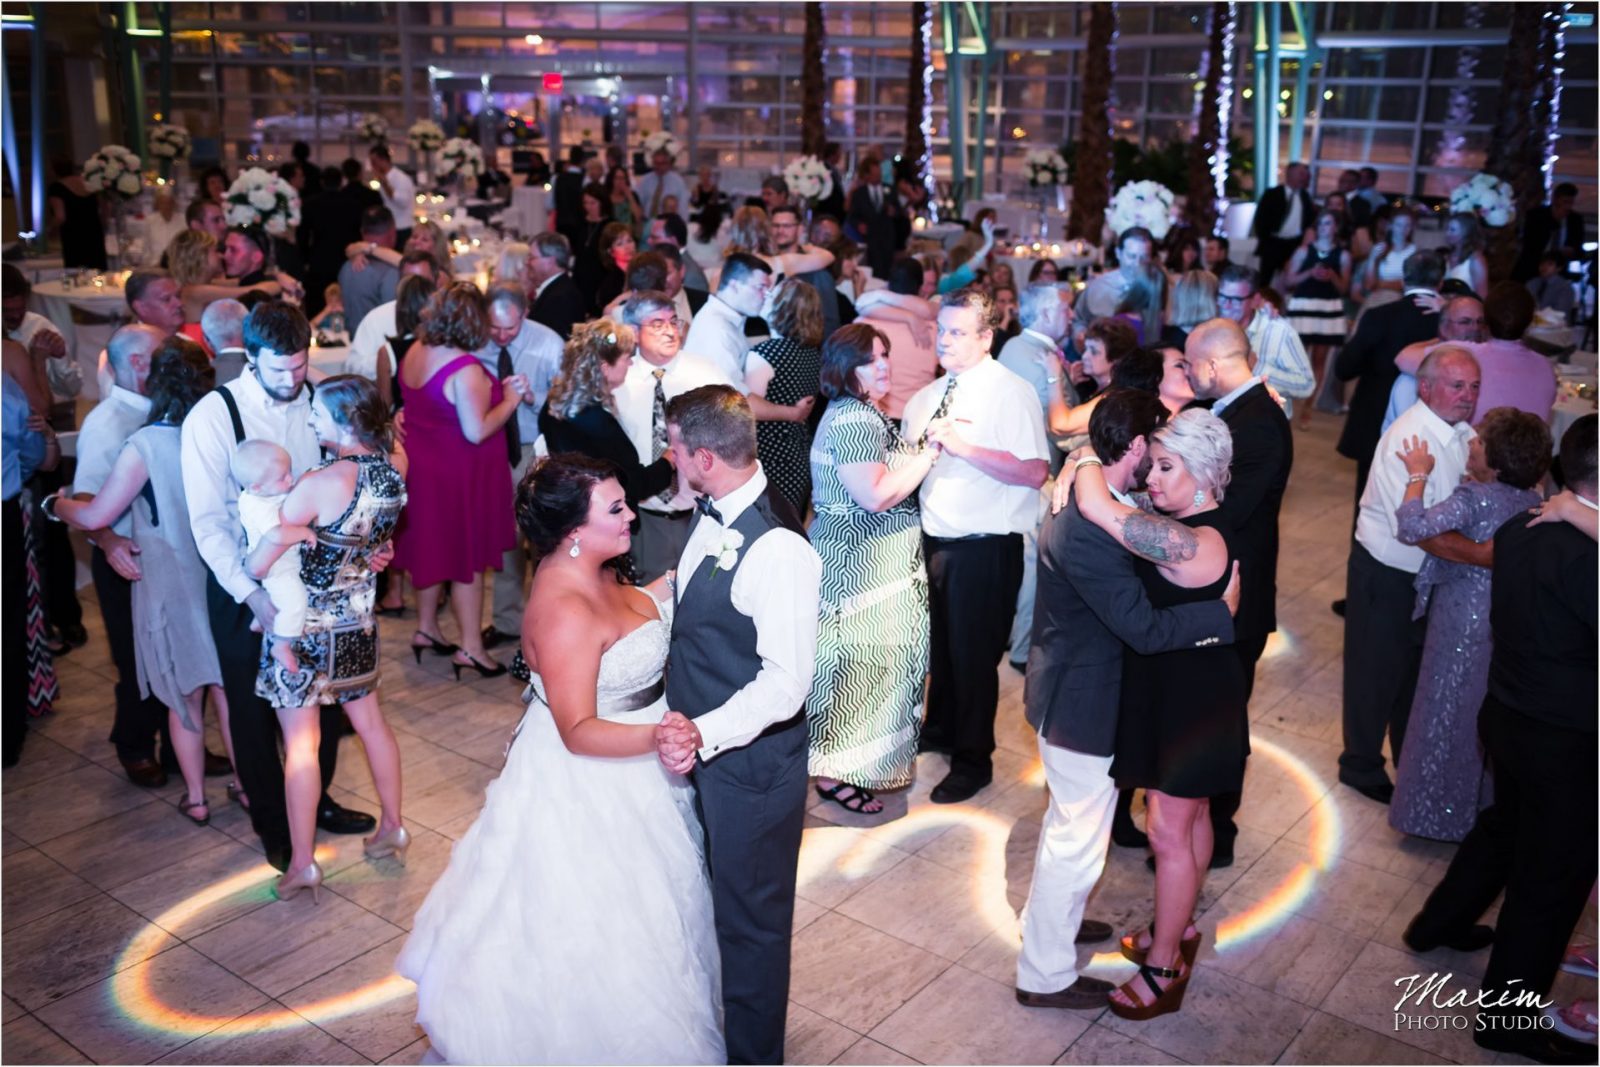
pixel 1182 730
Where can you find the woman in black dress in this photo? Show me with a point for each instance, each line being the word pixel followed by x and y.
pixel 1182 731
pixel 588 264
pixel 75 214
pixel 784 370
pixel 617 248
pixel 581 416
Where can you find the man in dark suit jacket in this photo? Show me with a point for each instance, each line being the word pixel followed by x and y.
pixel 1276 239
pixel 1537 725
pixel 1090 606
pixel 329 223
pixel 556 301
pixel 1369 355
pixel 874 214
pixel 1550 226
pixel 569 196
pixel 1263 453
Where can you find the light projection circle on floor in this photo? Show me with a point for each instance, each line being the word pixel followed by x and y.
pixel 852 853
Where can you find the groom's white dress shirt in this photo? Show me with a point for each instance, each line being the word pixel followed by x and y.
pixel 777 586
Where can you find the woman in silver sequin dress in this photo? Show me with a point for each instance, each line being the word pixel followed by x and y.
pixel 352 503
pixel 1442 779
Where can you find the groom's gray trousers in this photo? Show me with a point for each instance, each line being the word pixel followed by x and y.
pixel 752 803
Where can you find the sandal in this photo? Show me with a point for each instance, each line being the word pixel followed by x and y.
pixel 236 794
pixel 1167 1000
pixel 1580 960
pixel 856 800
pixel 1577 1020
pixel 1189 947
pixel 186 808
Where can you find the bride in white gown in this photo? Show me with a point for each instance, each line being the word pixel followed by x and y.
pixel 573 924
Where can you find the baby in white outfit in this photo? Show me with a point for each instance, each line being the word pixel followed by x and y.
pixel 263 471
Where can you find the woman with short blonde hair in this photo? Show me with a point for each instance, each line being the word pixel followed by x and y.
pixel 194 260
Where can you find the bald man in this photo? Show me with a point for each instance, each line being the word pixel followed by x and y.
pixel 1382 642
pixel 1220 370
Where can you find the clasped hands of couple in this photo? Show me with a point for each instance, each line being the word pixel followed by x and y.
pixel 677 742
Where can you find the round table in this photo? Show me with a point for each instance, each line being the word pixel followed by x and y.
pixel 1569 406
pixel 101 309
pixel 326 361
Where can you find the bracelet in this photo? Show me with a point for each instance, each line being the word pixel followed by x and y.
pixel 1088 461
pixel 48 506
pixel 1415 478
pixel 1052 379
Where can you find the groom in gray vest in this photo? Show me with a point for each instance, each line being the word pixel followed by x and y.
pixel 743 648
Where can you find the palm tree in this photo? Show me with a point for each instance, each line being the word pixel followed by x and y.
pixel 1530 92
pixel 1091 183
pixel 813 131
pixel 1206 194
pixel 918 115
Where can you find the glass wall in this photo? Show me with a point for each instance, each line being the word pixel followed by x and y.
pixel 250 78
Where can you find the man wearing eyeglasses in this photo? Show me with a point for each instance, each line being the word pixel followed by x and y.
pixel 717 333
pixel 660 371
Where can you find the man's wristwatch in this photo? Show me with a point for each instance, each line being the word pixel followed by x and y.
pixel 48 506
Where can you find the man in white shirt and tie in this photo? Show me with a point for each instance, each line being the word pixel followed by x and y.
pixel 717 333
pixel 663 189
pixel 978 501
pixel 516 345
pixel 1382 642
pixel 660 370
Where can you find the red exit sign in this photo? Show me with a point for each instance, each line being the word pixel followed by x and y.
pixel 552 82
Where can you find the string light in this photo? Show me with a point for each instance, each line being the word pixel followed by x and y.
pixel 1219 158
pixel 1561 21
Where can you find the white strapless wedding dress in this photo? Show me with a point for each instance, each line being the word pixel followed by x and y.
pixel 573 924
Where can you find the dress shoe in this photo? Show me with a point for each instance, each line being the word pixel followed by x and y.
pixel 1382 792
pixel 493 638
pixel 144 771
pixel 73 635
pixel 278 855
pixel 336 819
pixel 1092 932
pixel 926 743
pixel 1129 836
pixel 308 877
pixel 217 766
pixel 958 786
pixel 1084 994
pixel 1469 940
pixel 1338 608
pixel 1539 1045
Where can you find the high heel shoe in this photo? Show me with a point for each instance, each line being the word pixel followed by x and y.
pixel 308 877
pixel 1189 947
pixel 392 843
pixel 1167 1000
pixel 437 647
pixel 486 672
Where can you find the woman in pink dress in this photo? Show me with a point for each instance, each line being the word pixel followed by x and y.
pixel 460 521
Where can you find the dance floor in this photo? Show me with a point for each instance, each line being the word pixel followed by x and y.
pixel 130 936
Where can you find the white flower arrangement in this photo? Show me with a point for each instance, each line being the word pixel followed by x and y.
pixel 113 170
pixel 374 128
pixel 168 141
pixel 1147 204
pixel 662 141
pixel 260 198
pixel 728 551
pixel 808 179
pixel 425 135
pixel 459 156
pixel 1045 167
pixel 1488 197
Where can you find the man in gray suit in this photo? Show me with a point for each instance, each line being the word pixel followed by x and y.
pixel 1091 605
pixel 364 288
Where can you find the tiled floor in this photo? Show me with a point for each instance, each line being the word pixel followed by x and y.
pixel 130 936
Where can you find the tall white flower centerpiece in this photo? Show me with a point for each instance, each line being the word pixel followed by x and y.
pixel 460 159
pixel 808 181
pixel 425 136
pixel 260 198
pixel 1046 172
pixel 661 141
pixel 374 129
pixel 1488 197
pixel 1148 204
pixel 114 172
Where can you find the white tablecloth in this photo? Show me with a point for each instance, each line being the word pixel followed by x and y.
pixel 326 362
pixel 529 212
pixel 84 341
pixel 1570 407
pixel 38 269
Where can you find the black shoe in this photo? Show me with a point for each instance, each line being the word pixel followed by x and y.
pixel 1542 1046
pixel 144 771
pixel 1129 836
pixel 493 638
pixel 1469 940
pixel 336 819
pixel 278 855
pixel 932 744
pixel 1382 792
pixel 73 634
pixel 217 766
pixel 1092 932
pixel 1086 994
pixel 1338 608
pixel 958 786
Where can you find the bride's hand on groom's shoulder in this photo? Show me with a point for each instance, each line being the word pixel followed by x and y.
pixel 677 741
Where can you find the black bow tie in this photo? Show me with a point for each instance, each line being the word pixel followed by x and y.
pixel 704 506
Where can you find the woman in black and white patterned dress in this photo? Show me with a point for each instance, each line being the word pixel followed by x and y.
pixel 865 708
pixel 784 369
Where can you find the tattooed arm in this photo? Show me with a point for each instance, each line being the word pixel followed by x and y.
pixel 1187 556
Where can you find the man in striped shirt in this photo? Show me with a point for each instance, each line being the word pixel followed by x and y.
pixel 1280 358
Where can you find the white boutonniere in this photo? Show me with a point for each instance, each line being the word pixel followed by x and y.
pixel 727 552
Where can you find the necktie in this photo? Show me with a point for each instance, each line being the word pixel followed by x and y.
pixel 513 431
pixel 658 434
pixel 939 412
pixel 655 197
pixel 704 506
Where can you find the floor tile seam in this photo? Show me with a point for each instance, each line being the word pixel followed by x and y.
pixel 976 974
pixel 129 881
pixel 54 1033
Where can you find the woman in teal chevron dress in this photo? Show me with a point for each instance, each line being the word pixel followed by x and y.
pixel 865 708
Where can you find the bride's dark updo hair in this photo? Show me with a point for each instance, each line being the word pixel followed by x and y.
pixel 553 499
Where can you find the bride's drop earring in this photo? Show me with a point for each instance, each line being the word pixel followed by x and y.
pixel 1199 498
pixel 573 551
